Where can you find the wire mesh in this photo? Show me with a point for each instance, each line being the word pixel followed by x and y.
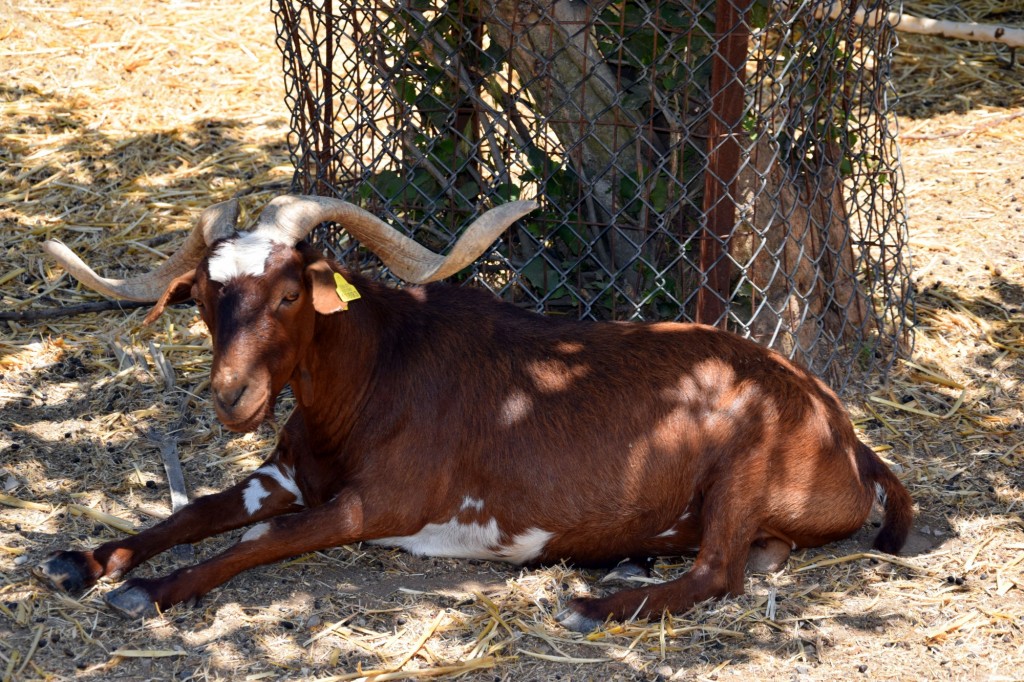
pixel 727 161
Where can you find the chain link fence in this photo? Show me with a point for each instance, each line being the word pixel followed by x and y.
pixel 727 161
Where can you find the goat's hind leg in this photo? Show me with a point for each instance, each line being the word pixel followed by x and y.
pixel 717 571
pixel 259 496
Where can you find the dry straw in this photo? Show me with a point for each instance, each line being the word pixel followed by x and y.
pixel 119 127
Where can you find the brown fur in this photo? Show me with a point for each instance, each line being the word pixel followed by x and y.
pixel 621 440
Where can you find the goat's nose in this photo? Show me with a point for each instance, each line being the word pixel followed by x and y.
pixel 228 396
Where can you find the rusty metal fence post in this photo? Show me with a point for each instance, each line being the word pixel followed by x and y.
pixel 732 37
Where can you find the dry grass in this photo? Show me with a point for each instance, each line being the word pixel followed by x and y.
pixel 117 126
pixel 940 76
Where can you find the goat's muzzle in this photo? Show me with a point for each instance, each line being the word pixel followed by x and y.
pixel 241 402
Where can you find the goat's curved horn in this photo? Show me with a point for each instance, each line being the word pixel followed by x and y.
pixel 291 218
pixel 216 222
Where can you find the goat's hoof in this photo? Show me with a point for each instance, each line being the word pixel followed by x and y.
pixel 131 601
pixel 628 571
pixel 65 571
pixel 571 618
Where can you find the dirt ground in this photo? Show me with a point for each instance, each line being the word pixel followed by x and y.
pixel 117 126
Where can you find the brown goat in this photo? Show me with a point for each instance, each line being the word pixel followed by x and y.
pixel 445 422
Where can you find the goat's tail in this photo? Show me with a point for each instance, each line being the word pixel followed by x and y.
pixel 898 505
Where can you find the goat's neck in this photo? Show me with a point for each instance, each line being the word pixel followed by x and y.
pixel 339 364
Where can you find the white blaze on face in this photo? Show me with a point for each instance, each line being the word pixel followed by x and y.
pixel 244 254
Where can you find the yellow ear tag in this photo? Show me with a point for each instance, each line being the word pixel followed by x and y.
pixel 346 292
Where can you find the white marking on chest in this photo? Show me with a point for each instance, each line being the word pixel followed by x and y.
pixel 245 254
pixel 255 532
pixel 471 541
pixel 666 533
pixel 284 477
pixel 254 495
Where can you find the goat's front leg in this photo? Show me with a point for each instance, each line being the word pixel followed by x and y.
pixel 267 492
pixel 338 522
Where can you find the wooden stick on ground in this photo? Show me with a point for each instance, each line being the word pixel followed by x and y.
pixel 168 444
pixel 68 310
pixel 959 30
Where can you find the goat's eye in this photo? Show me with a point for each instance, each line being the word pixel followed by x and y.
pixel 290 297
pixel 199 304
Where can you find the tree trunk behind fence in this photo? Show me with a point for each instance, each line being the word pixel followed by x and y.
pixel 798 256
pixel 550 47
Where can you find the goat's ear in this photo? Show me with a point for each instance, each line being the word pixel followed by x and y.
pixel 180 289
pixel 325 292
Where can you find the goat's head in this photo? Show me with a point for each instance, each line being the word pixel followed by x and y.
pixel 260 291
